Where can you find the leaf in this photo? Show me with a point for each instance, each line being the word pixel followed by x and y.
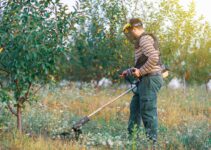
pixel 4 96
pixel 1 49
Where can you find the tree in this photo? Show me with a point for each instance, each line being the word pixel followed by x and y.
pixel 100 48
pixel 184 38
pixel 34 35
pixel 199 59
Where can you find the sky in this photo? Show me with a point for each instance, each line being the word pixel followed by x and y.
pixel 203 7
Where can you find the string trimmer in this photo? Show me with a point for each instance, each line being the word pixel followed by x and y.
pixel 77 126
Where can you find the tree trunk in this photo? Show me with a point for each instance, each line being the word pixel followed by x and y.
pixel 19 118
pixel 184 85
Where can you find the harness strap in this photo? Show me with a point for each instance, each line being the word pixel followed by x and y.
pixel 156 46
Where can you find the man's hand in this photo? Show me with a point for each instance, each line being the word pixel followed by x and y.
pixel 131 71
pixel 136 72
pixel 124 74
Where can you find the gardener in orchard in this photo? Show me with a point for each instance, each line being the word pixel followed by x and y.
pixel 148 70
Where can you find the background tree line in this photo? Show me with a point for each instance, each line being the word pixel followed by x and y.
pixel 100 49
pixel 97 47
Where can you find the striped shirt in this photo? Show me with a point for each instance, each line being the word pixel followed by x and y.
pixel 147 48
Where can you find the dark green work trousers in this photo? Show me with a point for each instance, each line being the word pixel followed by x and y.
pixel 144 106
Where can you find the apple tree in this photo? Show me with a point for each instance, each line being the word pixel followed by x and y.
pixel 33 37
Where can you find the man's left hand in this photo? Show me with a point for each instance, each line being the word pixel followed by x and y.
pixel 136 72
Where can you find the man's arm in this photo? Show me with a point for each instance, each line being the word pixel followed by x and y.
pixel 146 44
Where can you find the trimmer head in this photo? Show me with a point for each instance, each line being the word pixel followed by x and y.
pixel 77 133
pixel 77 126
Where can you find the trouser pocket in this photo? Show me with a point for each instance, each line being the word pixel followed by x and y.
pixel 148 103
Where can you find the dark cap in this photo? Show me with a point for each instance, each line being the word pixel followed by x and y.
pixel 136 22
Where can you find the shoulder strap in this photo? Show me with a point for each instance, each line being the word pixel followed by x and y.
pixel 156 44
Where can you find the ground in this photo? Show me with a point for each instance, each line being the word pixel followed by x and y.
pixel 184 120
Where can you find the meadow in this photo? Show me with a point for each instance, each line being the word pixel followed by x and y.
pixel 184 120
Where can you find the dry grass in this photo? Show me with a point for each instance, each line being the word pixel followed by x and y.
pixel 23 142
pixel 174 107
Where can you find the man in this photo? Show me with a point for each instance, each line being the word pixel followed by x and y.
pixel 148 70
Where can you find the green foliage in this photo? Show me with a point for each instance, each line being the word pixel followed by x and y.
pixel 34 36
pixel 99 47
pixel 183 41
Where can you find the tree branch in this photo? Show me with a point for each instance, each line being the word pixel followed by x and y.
pixel 4 70
pixel 24 98
pixel 38 90
pixel 144 13
pixel 2 64
pixel 16 82
pixel 27 93
pixel 11 109
pixel 124 11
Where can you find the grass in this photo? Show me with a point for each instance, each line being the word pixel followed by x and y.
pixel 184 121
